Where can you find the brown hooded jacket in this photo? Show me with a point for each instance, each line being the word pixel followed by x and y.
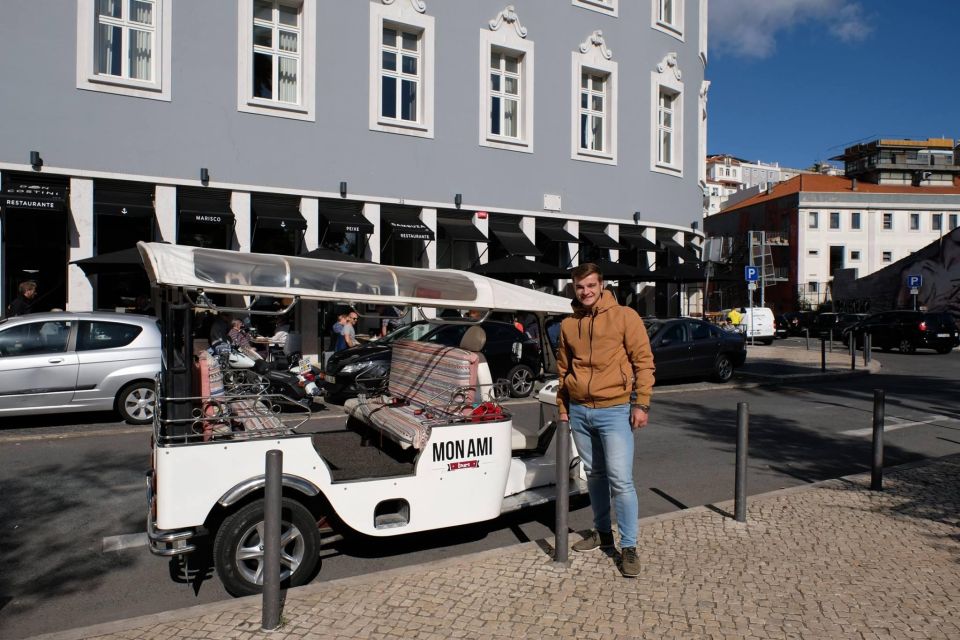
pixel 603 357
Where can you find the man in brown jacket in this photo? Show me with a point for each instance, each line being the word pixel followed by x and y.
pixel 606 370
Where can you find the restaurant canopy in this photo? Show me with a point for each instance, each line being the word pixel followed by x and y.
pixel 125 261
pixel 512 239
pixel 345 217
pixel 520 268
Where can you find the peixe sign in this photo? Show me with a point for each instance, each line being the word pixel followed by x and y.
pixel 23 195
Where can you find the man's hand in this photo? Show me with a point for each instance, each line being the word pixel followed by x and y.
pixel 638 418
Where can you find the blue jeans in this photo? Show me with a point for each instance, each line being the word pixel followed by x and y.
pixel 604 441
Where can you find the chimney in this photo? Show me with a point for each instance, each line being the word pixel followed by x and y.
pixel 853 184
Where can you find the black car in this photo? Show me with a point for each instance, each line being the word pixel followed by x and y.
pixel 511 355
pixel 838 323
pixel 908 331
pixel 781 326
pixel 691 348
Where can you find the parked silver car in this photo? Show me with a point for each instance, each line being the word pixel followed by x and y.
pixel 59 362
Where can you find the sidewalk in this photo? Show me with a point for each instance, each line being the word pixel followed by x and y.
pixel 830 560
pixel 775 363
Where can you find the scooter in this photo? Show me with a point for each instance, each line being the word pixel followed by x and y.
pixel 296 384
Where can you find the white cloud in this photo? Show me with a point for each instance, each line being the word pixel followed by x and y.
pixel 749 28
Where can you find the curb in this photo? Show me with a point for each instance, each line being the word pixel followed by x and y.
pixel 117 626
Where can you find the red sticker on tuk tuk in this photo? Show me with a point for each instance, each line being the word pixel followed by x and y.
pixel 466 464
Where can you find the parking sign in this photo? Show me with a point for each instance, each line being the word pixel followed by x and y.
pixel 751 274
pixel 914 281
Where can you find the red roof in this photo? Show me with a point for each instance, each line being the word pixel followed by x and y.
pixel 834 184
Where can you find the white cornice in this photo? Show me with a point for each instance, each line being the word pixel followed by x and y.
pixel 508 15
pixel 596 40
pixel 419 6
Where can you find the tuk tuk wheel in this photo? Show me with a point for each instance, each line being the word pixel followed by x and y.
pixel 238 548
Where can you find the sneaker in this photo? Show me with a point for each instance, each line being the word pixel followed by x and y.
pixel 596 540
pixel 629 562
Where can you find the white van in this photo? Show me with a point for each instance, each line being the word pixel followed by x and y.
pixel 756 323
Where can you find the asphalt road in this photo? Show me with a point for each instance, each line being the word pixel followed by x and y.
pixel 70 485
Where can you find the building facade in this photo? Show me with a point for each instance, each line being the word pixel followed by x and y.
pixel 820 224
pixel 727 177
pixel 408 132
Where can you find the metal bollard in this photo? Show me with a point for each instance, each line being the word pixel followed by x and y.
pixel 823 354
pixel 806 332
pixel 563 491
pixel 853 353
pixel 740 489
pixel 831 340
pixel 876 472
pixel 868 347
pixel 273 500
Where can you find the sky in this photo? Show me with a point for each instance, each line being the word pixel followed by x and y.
pixel 797 81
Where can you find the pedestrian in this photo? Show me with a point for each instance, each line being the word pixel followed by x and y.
pixel 348 336
pixel 23 303
pixel 605 367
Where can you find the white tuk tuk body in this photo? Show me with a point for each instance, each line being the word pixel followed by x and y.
pixel 468 469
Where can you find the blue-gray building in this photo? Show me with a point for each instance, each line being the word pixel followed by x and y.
pixel 416 132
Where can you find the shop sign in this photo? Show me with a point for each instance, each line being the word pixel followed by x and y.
pixel 412 231
pixel 34 196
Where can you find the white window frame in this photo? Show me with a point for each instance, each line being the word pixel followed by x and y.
pixel 507 36
pixel 883 224
pixel 667 77
pixel 813 220
pixel 854 255
pixel 886 256
pixel 834 216
pixel 856 220
pixel 952 221
pixel 606 7
pixel 246 102
pixel 593 57
pixel 914 223
pixel 936 222
pixel 409 16
pixel 87 77
pixel 674 28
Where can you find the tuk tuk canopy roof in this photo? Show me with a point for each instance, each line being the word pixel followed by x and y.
pixel 223 271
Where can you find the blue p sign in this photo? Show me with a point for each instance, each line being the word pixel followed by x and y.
pixel 751 274
pixel 914 282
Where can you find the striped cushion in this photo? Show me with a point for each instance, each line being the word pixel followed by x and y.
pixel 425 374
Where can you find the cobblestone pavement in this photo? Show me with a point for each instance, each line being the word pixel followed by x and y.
pixel 832 560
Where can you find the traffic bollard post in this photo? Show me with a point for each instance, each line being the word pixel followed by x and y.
pixel 563 491
pixel 806 333
pixel 876 471
pixel 740 489
pixel 831 340
pixel 823 354
pixel 273 499
pixel 868 347
pixel 853 354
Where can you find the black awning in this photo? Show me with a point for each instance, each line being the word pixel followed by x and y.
pixel 345 217
pixel 600 239
pixel 514 240
pixel 29 192
pixel 635 239
pixel 460 230
pixel 276 215
pixel 686 272
pixel 520 268
pixel 125 261
pixel 212 211
pixel 677 249
pixel 330 254
pixel 623 272
pixel 129 204
pixel 555 232
pixel 407 227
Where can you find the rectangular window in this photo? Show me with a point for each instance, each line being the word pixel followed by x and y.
pixel 914 222
pixel 593 109
pixel 277 58
pixel 123 47
pixel 505 94
pixel 668 17
pixel 888 256
pixel 665 128
pixel 813 220
pixel 854 255
pixel 126 31
pixel 855 220
pixel 400 74
pixel 402 69
pixel 813 252
pixel 812 287
pixel 608 7
pixel 277 39
pixel 953 221
pixel 936 222
pixel 834 219
pixel 887 221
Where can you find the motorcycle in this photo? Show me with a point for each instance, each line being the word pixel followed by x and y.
pixel 247 372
